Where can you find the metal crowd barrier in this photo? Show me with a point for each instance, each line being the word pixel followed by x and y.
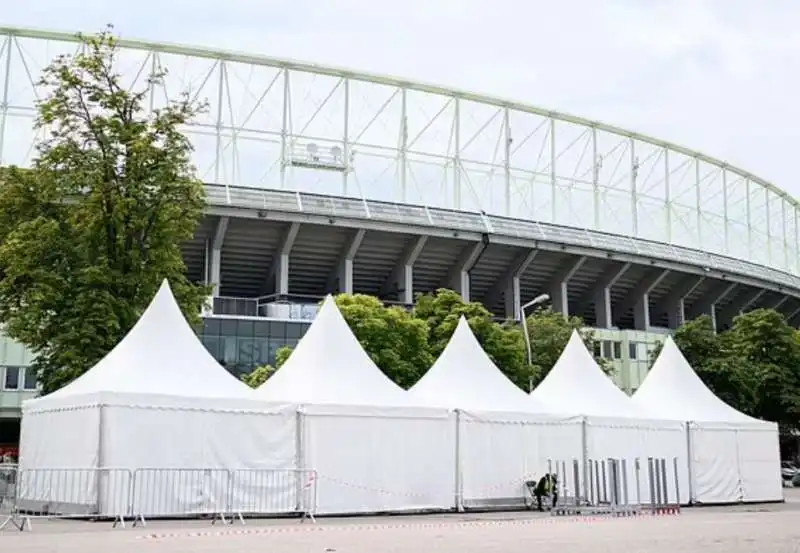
pixel 123 494
pixel 604 487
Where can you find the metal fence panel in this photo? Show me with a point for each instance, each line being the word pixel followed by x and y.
pixel 272 491
pixel 180 492
pixel 66 492
pixel 8 487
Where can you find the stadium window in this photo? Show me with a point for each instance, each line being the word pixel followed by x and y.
pixel 30 379
pixel 261 329
pixel 211 327
pixel 606 349
pixel 617 350
pixel 632 350
pixel 597 349
pixel 12 378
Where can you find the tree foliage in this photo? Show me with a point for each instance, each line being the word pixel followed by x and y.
pixel 259 375
pixel 90 230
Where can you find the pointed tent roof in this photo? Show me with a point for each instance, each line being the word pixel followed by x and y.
pixel 162 355
pixel 465 377
pixel 576 384
pixel 329 366
pixel 673 390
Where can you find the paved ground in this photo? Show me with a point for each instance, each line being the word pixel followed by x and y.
pixel 746 529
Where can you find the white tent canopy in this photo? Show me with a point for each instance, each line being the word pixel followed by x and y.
pixel 329 366
pixel 576 384
pixel 673 390
pixel 734 457
pixel 162 355
pixel 464 377
pixel 374 448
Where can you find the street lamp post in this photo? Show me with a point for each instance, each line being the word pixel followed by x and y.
pixel 535 301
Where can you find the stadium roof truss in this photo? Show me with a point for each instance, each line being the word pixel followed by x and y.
pixel 281 136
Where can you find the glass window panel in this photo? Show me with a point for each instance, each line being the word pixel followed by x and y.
pixel 228 327
pixel 277 330
pixel 261 329
pixel 245 329
pixel 30 378
pixel 246 355
pixel 12 378
pixel 229 350
pixel 211 326
pixel 294 330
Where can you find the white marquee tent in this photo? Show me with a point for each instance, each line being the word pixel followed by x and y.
pixel 503 437
pixel 734 457
pixel 158 399
pixel 373 447
pixel 615 427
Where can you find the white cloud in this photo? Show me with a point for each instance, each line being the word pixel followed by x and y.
pixel 715 75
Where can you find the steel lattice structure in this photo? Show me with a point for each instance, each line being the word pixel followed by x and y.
pixel 293 126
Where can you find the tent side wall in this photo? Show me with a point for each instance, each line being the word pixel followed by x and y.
pixel 734 463
pixel 499 452
pixel 189 460
pixel 59 455
pixel 631 439
pixel 375 460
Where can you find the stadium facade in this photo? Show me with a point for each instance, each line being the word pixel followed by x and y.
pixel 323 179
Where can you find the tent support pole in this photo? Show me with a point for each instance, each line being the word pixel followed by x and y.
pixel 585 453
pixel 459 491
pixel 101 455
pixel 689 462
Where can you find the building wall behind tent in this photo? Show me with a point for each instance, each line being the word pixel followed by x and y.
pixel 632 439
pixel 499 452
pixel 371 460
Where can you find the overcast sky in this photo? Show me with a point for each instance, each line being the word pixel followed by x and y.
pixel 720 76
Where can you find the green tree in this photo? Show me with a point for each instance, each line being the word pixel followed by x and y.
pixel 90 230
pixel 770 351
pixel 504 343
pixel 549 332
pixel 259 375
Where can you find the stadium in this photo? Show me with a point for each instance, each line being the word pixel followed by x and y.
pixel 321 179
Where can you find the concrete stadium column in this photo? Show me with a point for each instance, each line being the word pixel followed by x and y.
pixel 601 295
pixel 279 270
pixel 512 294
pixel 341 278
pixel 401 279
pixel 458 276
pixel 639 299
pixel 508 285
pixel 214 255
pixel 559 285
pixel 673 303
pixel 739 306
pixel 708 303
